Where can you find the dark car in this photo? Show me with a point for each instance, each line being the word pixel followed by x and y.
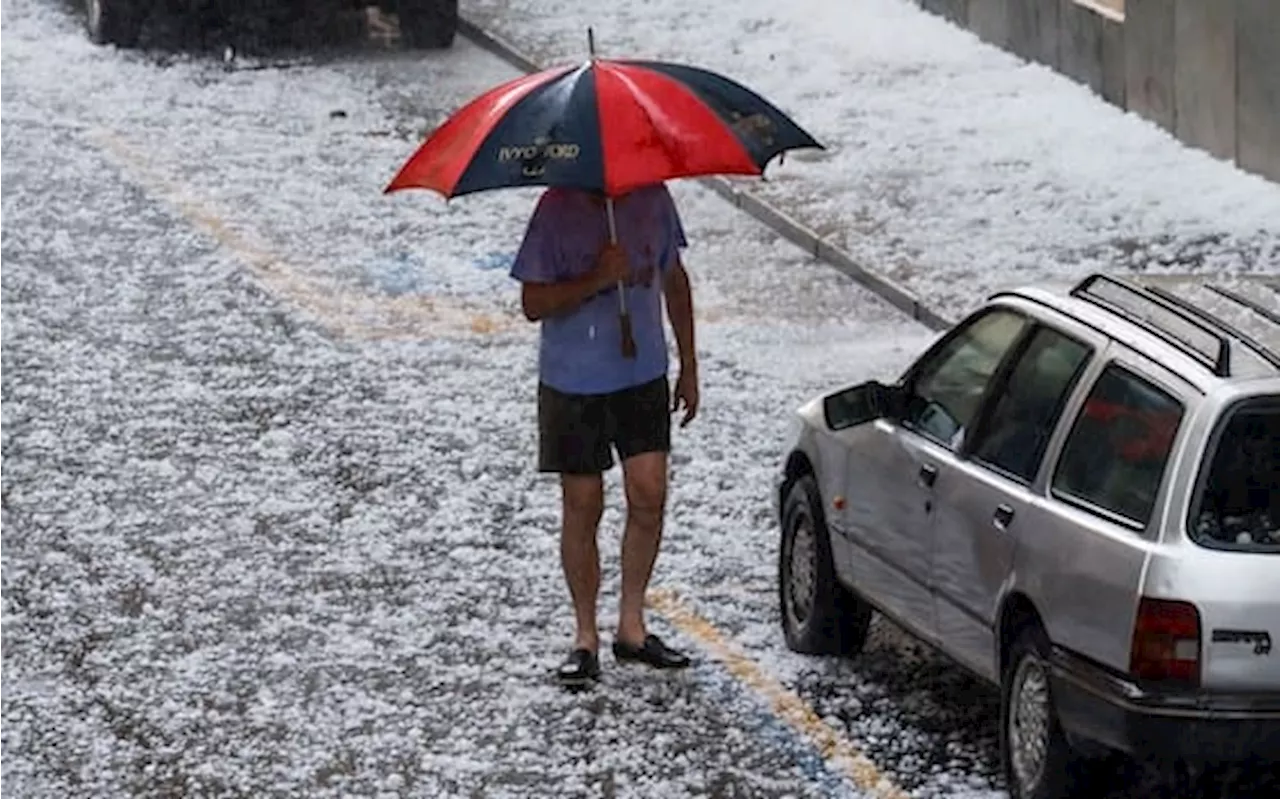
pixel 423 23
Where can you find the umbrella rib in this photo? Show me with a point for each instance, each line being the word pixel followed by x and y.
pixel 643 101
pixel 648 107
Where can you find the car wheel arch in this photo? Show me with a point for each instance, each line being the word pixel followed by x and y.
pixel 1016 613
pixel 798 465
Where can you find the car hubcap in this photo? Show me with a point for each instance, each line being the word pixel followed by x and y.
pixel 94 13
pixel 1029 723
pixel 801 567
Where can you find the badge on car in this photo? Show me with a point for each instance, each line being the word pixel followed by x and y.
pixel 1260 639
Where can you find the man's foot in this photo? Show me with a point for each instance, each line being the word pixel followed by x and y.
pixel 579 668
pixel 652 653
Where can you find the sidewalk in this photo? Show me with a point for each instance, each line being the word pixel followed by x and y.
pixel 952 167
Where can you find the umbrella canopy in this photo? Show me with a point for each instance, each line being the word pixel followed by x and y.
pixel 608 126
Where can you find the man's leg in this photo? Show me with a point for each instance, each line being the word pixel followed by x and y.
pixel 645 478
pixel 583 503
pixel 574 442
pixel 643 423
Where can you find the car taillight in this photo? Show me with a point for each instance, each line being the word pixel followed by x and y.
pixel 1166 641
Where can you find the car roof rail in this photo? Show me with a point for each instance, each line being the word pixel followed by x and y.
pixel 1266 313
pixel 1263 351
pixel 1142 306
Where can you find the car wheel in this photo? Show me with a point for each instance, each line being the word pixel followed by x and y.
pixel 117 22
pixel 819 616
pixel 1037 758
pixel 428 24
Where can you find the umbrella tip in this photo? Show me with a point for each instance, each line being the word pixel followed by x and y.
pixel 591 41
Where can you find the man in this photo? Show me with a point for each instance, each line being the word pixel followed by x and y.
pixel 592 399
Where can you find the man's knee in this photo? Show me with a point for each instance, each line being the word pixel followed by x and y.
pixel 583 497
pixel 646 481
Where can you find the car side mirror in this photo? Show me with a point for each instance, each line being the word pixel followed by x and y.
pixel 862 403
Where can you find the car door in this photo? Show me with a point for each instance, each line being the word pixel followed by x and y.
pixel 1085 567
pixel 885 509
pixel 983 493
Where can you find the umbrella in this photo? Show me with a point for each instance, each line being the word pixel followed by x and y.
pixel 606 126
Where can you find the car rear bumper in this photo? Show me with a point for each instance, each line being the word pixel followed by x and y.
pixel 1103 707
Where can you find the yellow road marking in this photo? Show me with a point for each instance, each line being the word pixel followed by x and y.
pixel 337 307
pixel 839 752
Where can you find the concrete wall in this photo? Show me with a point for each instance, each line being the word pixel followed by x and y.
pixel 1091 50
pixel 1206 70
pixel 1204 75
pixel 1148 59
pixel 953 10
pixel 1033 30
pixel 990 20
pixel 1258 86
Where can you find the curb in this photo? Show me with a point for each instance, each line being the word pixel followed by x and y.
pixel 768 215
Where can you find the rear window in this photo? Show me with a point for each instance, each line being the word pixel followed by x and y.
pixel 1237 501
pixel 1115 458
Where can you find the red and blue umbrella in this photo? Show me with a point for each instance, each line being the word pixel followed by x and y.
pixel 606 126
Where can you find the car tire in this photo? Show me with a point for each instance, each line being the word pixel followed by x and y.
pixel 1037 759
pixel 428 24
pixel 117 22
pixel 819 615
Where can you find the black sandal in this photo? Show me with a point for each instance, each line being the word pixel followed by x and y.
pixel 653 652
pixel 580 667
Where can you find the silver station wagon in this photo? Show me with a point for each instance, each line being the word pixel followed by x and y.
pixel 1076 495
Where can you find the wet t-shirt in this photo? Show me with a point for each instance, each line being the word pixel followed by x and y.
pixel 581 352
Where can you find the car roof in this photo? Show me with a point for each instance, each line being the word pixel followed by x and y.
pixel 1211 333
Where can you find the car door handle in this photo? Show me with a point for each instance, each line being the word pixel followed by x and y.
pixel 928 475
pixel 1003 516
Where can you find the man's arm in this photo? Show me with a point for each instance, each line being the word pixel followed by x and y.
pixel 542 300
pixel 680 310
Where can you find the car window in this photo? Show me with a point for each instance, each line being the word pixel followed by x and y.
pixel 1237 501
pixel 1119 445
pixel 1018 428
pixel 950 382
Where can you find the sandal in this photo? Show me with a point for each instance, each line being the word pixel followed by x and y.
pixel 580 667
pixel 653 652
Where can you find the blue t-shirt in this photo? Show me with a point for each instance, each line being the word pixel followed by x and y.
pixel 581 351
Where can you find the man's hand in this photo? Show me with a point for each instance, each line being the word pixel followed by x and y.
pixel 542 300
pixel 680 309
pixel 686 393
pixel 612 265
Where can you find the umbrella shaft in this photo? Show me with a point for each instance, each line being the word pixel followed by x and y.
pixel 613 222
pixel 613 239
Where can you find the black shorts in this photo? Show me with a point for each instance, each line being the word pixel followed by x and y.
pixel 577 432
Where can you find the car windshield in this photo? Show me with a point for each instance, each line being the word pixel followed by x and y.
pixel 1238 505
